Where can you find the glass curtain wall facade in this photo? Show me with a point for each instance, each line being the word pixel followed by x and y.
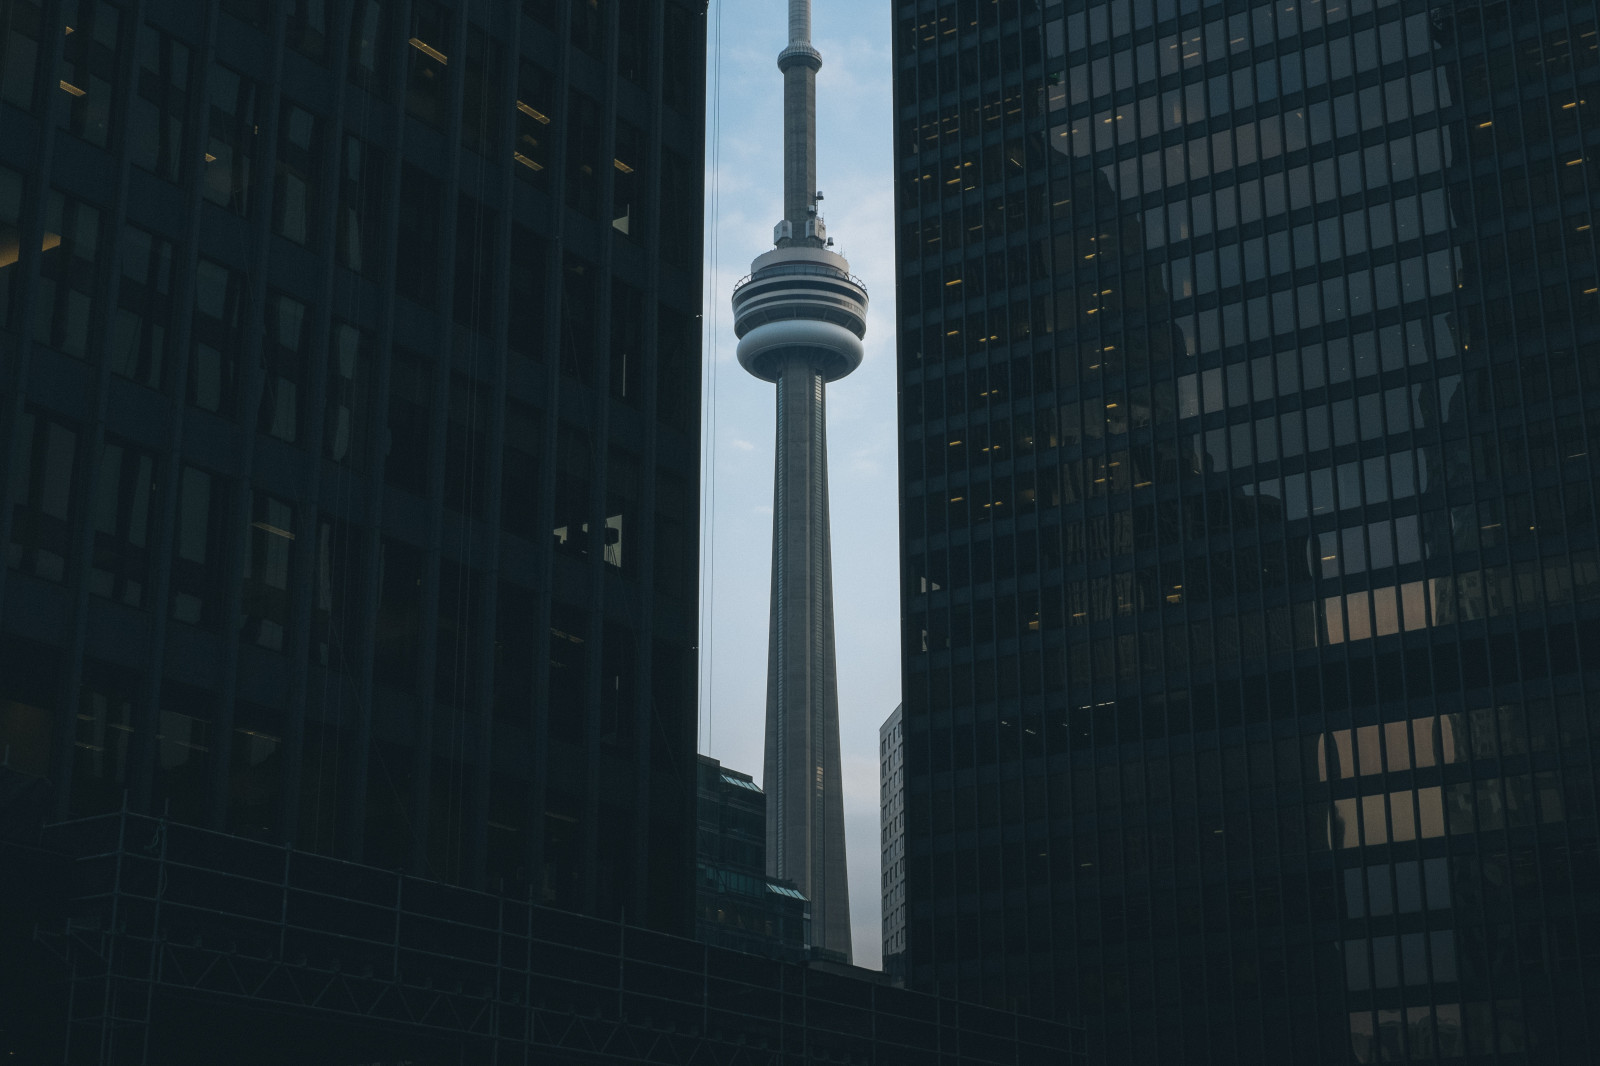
pixel 736 904
pixel 1249 362
pixel 350 410
pixel 892 842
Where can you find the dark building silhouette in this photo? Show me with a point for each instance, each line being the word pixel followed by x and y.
pixel 192 946
pixel 736 904
pixel 351 417
pixel 350 414
pixel 892 842
pixel 1248 364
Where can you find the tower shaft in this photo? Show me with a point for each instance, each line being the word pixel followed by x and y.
pixel 805 809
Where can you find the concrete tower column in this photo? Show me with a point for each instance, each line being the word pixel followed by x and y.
pixel 800 317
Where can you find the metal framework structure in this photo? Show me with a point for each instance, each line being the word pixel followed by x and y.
pixel 174 927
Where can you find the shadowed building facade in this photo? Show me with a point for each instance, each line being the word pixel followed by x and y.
pixel 892 842
pixel 349 406
pixel 800 316
pixel 1248 358
pixel 736 904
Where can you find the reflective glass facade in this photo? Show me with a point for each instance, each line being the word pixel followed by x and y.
pixel 350 415
pixel 892 842
pixel 1250 363
pixel 736 904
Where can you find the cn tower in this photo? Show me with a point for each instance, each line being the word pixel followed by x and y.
pixel 800 317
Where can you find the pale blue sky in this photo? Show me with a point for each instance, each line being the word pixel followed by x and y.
pixel 744 199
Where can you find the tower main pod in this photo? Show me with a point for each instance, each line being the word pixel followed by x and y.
pixel 800 317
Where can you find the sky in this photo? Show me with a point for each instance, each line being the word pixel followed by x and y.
pixel 744 198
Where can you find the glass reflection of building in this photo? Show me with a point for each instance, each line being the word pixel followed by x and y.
pixel 736 904
pixel 1249 358
pixel 349 419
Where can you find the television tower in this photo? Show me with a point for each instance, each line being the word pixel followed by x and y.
pixel 800 317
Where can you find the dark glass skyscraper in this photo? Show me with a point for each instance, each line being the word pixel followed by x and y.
pixel 350 414
pixel 1249 362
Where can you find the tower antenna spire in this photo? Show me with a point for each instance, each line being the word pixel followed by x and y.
pixel 799 63
pixel 800 317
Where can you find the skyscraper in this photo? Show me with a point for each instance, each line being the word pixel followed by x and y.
pixel 1248 363
pixel 350 415
pixel 800 316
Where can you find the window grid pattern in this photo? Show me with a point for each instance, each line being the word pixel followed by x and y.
pixel 289 377
pixel 1247 361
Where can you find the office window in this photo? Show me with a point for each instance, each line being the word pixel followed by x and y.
pixel 294 207
pixel 482 90
pixel 675 515
pixel 361 211
pixel 584 133
pixel 516 650
pixel 349 403
pixel 506 858
pixel 456 635
pixel 618 683
pixel 622 516
pixel 64 315
pixel 306 27
pixel 467 445
pixel 546 13
pixel 428 62
pixel 184 725
pixel 410 392
pixel 417 252
pixel 255 13
pixel 285 356
pixel 336 613
pixel 678 235
pixel 680 29
pixel 450 785
pixel 20 36
pixel 255 773
pixel 124 489
pixel 217 337
pixel 569 645
pixel 198 564
pixel 526 307
pixel 536 95
pixel 677 381
pixel 141 328
pixel 370 47
pixel 627 343
pixel 397 634
pixel 633 41
pixel 43 478
pixel 574 473
pixel 102 735
pixel 477 233
pixel 629 181
pixel 579 318
pixel 10 238
pixel 589 26
pixel 158 112
pixel 89 67
pixel 230 177
pixel 269 544
pixel 25 735
pixel 519 471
